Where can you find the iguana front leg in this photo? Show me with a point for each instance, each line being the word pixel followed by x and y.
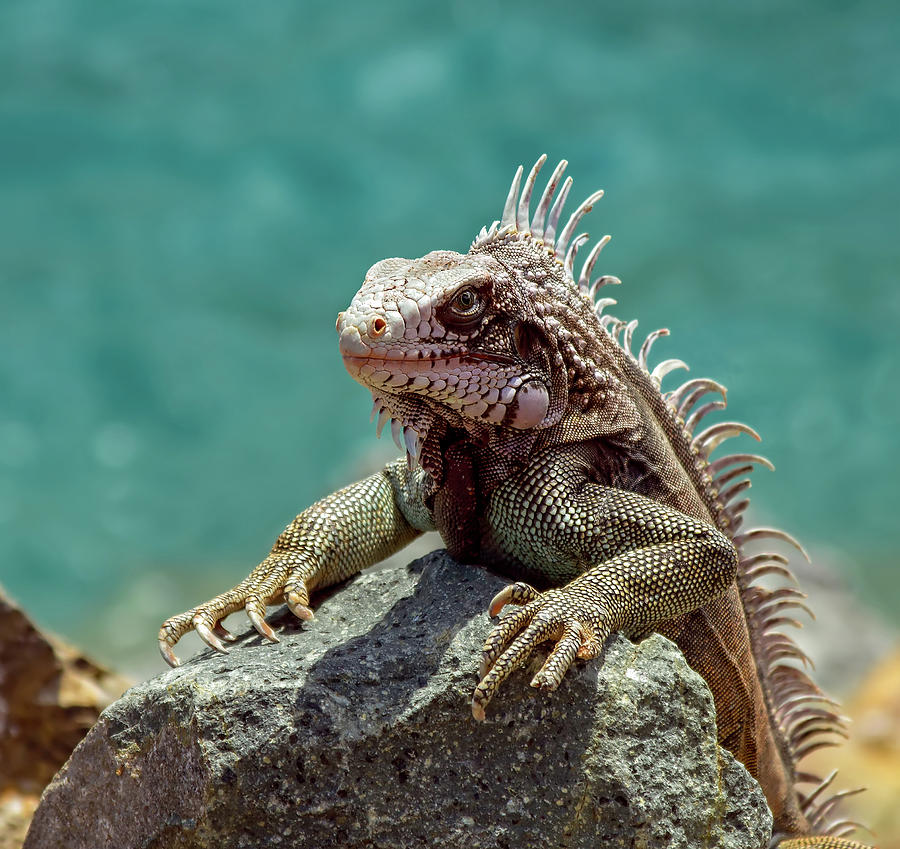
pixel 641 563
pixel 333 539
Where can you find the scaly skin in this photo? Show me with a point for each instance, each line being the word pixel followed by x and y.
pixel 538 444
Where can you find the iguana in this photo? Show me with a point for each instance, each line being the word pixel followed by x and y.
pixel 538 442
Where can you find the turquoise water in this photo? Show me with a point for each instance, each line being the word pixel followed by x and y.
pixel 189 192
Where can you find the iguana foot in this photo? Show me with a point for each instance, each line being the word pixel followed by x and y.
pixel 577 625
pixel 279 578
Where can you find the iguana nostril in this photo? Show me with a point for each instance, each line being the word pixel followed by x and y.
pixel 377 326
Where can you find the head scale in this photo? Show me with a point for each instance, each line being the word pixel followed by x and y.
pixel 494 341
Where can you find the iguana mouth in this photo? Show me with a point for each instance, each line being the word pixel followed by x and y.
pixel 478 356
pixel 355 349
pixel 392 373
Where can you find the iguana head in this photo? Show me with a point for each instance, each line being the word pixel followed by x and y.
pixel 498 340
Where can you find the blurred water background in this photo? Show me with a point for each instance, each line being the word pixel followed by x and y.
pixel 190 191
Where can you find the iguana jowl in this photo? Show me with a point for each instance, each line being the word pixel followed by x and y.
pixel 537 442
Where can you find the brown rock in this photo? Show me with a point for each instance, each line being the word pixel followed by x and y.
pixel 50 695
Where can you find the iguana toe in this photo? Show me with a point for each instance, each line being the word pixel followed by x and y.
pixel 560 658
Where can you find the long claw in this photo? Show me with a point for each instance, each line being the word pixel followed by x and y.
pixel 205 633
pixel 517 593
pixel 298 605
pixel 223 633
pixel 499 601
pixel 296 596
pixel 168 655
pixel 262 626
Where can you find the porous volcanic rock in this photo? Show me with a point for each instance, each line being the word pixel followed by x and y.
pixel 356 731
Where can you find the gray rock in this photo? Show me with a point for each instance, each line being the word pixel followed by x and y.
pixel 356 731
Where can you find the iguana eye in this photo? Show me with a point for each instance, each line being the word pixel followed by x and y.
pixel 463 311
pixel 466 303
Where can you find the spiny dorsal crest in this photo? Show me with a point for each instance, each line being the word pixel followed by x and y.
pixel 807 719
pixel 517 223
